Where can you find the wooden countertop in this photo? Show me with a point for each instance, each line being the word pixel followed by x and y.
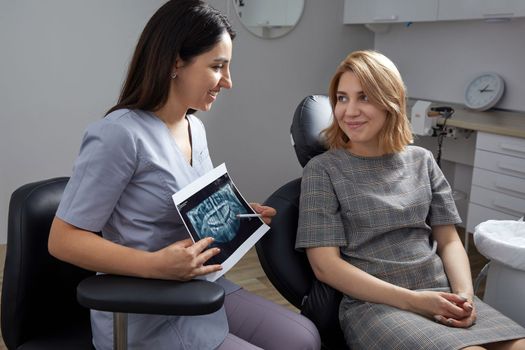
pixel 500 122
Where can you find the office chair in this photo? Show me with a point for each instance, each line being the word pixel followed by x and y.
pixel 39 293
pixel 287 269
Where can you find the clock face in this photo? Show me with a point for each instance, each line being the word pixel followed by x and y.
pixel 484 91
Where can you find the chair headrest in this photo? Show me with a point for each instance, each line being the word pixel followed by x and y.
pixel 311 116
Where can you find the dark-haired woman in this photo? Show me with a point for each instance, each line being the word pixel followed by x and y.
pixel 146 148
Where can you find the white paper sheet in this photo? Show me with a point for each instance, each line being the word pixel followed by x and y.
pixel 208 206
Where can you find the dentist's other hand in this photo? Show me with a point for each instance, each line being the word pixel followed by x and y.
pixel 266 212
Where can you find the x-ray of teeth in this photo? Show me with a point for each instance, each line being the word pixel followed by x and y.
pixel 216 215
pixel 209 207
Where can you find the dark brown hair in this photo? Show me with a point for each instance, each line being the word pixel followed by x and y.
pixel 179 29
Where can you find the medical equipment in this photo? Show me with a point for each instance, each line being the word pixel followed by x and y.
pixel 424 118
pixel 424 122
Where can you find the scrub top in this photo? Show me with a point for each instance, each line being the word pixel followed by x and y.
pixel 122 184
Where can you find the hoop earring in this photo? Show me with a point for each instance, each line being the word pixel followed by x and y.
pixel 173 75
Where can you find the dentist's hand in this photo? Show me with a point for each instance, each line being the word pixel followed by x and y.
pixel 266 212
pixel 184 260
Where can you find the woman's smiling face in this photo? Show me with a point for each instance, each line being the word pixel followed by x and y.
pixel 199 81
pixel 359 119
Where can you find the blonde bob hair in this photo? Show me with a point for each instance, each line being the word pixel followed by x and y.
pixel 384 87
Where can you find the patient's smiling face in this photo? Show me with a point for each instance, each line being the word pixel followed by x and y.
pixel 359 119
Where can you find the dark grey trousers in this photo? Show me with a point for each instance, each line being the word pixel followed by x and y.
pixel 257 323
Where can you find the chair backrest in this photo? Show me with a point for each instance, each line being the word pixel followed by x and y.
pixel 293 278
pixel 39 306
pixel 311 116
pixel 288 269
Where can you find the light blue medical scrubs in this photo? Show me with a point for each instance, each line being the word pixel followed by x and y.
pixel 123 179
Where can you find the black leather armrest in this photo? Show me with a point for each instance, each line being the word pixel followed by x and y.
pixel 149 296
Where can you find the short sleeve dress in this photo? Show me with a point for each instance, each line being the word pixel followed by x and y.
pixel 379 211
pixel 128 167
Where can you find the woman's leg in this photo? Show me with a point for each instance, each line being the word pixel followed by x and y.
pixel 518 344
pixel 268 325
pixel 233 342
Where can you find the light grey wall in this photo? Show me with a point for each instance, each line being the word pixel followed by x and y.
pixel 437 59
pixel 248 127
pixel 61 66
pixel 62 63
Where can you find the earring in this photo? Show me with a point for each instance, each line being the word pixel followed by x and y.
pixel 173 75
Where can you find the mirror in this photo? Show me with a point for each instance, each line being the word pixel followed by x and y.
pixel 269 18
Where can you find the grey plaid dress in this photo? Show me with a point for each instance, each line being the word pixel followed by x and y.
pixel 379 211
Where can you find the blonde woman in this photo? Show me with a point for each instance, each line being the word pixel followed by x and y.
pixel 377 223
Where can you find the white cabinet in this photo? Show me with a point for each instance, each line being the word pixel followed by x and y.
pixel 389 11
pixel 480 9
pixel 498 180
pixel 392 11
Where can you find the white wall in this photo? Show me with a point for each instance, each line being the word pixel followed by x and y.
pixel 61 66
pixel 248 127
pixel 62 63
pixel 437 59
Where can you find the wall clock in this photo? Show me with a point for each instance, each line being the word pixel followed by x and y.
pixel 484 91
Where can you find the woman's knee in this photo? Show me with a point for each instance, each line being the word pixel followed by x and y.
pixel 303 336
pixel 269 325
pixel 517 344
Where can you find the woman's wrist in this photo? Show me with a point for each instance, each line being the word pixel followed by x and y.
pixel 150 266
pixel 468 296
pixel 407 299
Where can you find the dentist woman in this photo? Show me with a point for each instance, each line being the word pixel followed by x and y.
pixel 148 146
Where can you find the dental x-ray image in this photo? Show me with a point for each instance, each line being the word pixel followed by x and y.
pixel 216 215
pixel 209 207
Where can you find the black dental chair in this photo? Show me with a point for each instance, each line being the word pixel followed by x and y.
pixel 287 269
pixel 39 293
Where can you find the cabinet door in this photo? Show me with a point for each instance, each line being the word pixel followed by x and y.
pixel 388 11
pixel 480 9
pixel 508 145
pixel 478 214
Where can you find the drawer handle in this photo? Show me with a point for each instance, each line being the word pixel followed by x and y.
pixel 500 204
pixel 386 18
pixel 498 14
pixel 511 147
pixel 508 166
pixel 507 186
